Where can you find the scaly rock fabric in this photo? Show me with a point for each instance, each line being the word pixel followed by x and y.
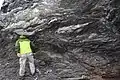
pixel 73 38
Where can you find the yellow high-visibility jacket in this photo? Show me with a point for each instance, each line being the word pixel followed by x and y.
pixel 23 46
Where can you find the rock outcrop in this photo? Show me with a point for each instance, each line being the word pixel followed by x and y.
pixel 74 38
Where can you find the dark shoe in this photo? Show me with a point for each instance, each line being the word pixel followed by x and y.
pixel 33 74
pixel 21 77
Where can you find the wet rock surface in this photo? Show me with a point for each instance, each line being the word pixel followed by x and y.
pixel 74 39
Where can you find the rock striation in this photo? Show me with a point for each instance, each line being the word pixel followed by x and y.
pixel 74 38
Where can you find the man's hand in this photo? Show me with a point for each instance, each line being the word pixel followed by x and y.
pixel 18 54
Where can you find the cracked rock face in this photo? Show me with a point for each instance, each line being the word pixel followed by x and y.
pixel 74 38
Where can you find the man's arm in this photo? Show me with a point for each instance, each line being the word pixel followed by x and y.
pixel 17 47
pixel 32 47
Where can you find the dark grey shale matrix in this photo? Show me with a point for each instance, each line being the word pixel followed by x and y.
pixel 74 38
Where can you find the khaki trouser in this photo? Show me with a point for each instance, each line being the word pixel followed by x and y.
pixel 22 62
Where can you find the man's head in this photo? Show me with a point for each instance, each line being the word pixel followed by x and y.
pixel 22 37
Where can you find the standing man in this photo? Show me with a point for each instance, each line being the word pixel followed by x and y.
pixel 24 51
